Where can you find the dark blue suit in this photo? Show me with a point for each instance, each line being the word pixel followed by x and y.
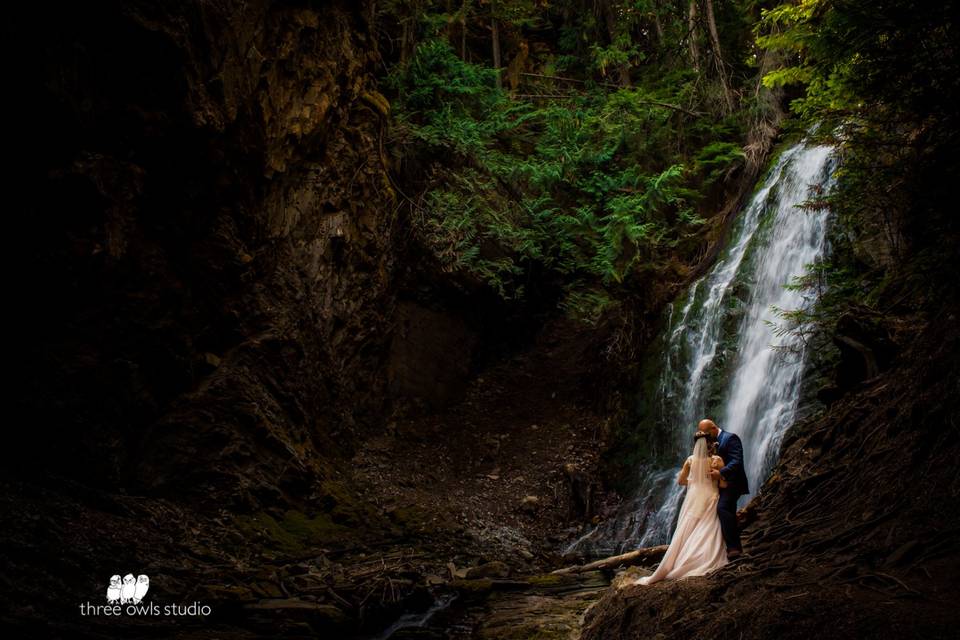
pixel 731 450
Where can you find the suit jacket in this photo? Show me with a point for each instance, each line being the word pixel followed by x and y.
pixel 731 450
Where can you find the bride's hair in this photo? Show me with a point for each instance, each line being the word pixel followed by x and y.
pixel 709 444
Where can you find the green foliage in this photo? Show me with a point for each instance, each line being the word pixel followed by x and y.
pixel 717 158
pixel 854 58
pixel 622 51
pixel 436 74
pixel 882 79
pixel 569 187
pixel 594 188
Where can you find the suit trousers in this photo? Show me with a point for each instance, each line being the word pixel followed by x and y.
pixel 727 512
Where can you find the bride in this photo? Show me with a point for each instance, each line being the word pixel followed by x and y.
pixel 697 546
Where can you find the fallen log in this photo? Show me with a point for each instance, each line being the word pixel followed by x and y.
pixel 639 556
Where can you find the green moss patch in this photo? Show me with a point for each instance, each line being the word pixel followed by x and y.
pixel 295 532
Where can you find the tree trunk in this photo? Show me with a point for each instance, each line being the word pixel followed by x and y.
pixel 692 35
pixel 463 31
pixel 496 50
pixel 657 24
pixel 646 555
pixel 611 21
pixel 718 56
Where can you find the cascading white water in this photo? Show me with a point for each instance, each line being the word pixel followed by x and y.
pixel 717 358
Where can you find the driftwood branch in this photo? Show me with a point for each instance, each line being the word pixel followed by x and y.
pixel 646 555
pixel 667 105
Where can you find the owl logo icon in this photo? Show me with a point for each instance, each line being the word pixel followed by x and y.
pixel 140 590
pixel 128 590
pixel 113 590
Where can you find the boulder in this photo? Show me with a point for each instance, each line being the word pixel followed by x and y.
pixel 493 569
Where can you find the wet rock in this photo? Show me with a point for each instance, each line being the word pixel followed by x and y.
pixel 455 572
pixel 472 586
pixel 551 608
pixel 580 491
pixel 628 577
pixel 493 569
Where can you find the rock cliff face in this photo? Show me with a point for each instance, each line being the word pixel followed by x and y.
pixel 210 243
pixel 216 332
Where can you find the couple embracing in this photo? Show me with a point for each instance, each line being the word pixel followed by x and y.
pixel 707 535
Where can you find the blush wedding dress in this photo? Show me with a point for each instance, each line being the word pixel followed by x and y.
pixel 697 545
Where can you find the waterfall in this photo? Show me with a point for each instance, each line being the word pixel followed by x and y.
pixel 716 357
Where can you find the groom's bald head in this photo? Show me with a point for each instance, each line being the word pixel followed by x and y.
pixel 709 426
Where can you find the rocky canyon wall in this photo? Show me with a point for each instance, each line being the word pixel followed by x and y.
pixel 207 243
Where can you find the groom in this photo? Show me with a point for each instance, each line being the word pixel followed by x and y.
pixel 731 450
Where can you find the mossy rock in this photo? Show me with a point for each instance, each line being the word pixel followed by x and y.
pixel 345 509
pixel 412 517
pixel 535 617
pixel 295 532
pixel 549 580
pixel 477 586
pixel 629 576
